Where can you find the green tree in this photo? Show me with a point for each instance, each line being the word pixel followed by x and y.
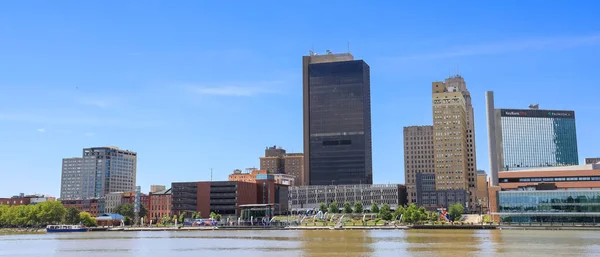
pixel 410 214
pixel 398 213
pixel 385 213
pixel 455 211
pixel 182 217
pixel 422 214
pixel 72 216
pixel 165 220
pixel 374 208
pixel 196 215
pixel 347 208
pixel 128 208
pixel 87 219
pixel 175 219
pixel 4 209
pixel 323 207
pixel 333 207
pixel 31 214
pixel 126 221
pixel 50 212
pixel 213 215
pixel 358 207
pixel 432 216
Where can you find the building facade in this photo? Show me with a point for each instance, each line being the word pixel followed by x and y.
pixel 226 197
pixel 303 198
pixel 273 161
pixel 337 120
pixel 454 138
pixel 112 201
pixel 108 169
pixel 482 191
pixel 157 188
pixel 248 176
pixel 94 206
pixel 450 138
pixel 534 138
pixel 418 157
pixel 549 206
pixel 293 164
pixel 15 201
pixel 71 186
pixel 100 171
pixel 459 83
pixel 159 205
pixel 532 184
pixel 431 198
pixel 592 160
pixel 278 161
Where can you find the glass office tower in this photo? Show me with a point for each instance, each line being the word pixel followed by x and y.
pixel 337 120
pixel 533 138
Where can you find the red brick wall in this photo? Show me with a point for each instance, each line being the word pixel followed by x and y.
pixel 493 198
pixel 14 201
pixel 159 206
pixel 203 199
pixel 91 208
pixel 246 194
pixel 269 191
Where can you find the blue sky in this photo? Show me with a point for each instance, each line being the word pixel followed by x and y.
pixel 194 85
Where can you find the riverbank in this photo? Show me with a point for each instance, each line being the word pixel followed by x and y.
pixel 576 228
pixel 22 230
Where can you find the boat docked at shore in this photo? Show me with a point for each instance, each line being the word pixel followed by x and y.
pixel 65 228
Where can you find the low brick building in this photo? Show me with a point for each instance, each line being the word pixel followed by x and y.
pixel 92 206
pixel 14 201
pixel 159 205
pixel 225 197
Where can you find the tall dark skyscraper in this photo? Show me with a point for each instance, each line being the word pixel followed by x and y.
pixel 337 120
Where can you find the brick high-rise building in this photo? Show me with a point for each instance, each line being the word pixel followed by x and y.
pixel 277 160
pixel 450 138
pixel 459 83
pixel 294 165
pixel 454 137
pixel 418 157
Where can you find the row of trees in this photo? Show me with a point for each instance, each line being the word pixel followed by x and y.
pixel 166 220
pixel 409 214
pixel 49 212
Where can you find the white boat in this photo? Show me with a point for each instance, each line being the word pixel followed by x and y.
pixel 65 228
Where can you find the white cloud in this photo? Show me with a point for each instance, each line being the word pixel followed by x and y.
pixel 238 89
pixel 89 134
pixel 41 130
pixel 535 44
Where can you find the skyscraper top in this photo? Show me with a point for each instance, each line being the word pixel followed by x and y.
pixel 329 57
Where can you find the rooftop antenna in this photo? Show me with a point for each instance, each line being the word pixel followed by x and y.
pixel 348 46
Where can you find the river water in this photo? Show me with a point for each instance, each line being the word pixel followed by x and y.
pixel 306 243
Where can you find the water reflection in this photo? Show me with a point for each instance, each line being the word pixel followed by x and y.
pixel 306 243
pixel 442 242
pixel 336 243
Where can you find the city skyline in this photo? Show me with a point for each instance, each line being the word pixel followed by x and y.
pixel 152 86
